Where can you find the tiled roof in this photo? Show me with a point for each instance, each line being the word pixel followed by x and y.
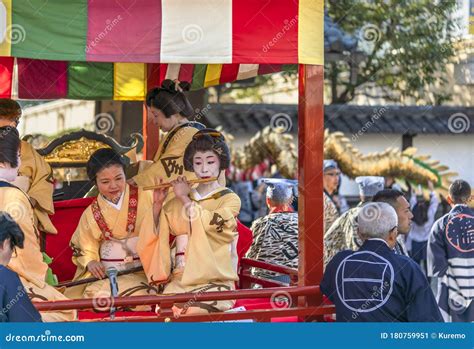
pixel 250 118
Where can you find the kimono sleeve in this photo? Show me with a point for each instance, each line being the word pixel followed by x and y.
pixel 28 261
pixel 41 189
pixel 437 260
pixel 154 251
pixel 170 164
pixel 85 245
pixel 422 306
pixel 220 224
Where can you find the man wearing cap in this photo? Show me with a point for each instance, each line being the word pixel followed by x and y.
pixel 276 234
pixel 339 237
pixel 331 174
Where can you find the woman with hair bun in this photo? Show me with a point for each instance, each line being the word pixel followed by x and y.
pixel 35 176
pixel 171 112
pixel 203 219
pixel 107 234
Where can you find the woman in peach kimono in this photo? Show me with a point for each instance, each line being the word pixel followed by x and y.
pixel 34 175
pixel 203 221
pixel 28 262
pixel 171 112
pixel 107 234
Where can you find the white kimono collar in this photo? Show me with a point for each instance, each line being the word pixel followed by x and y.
pixel 118 205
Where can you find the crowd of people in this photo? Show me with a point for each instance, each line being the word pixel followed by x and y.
pixel 384 257
pixel 166 236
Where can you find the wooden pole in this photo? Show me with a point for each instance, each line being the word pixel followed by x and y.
pixel 151 135
pixel 310 160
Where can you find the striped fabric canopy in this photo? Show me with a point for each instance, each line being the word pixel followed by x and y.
pixel 118 49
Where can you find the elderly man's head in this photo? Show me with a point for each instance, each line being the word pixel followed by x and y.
pixel 378 220
pixel 279 196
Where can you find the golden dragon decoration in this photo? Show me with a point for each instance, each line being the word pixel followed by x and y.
pixel 403 165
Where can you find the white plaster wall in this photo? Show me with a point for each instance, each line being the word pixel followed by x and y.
pixel 44 118
pixel 455 151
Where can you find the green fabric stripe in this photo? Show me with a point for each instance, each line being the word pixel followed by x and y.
pixel 43 34
pixel 91 80
pixel 199 75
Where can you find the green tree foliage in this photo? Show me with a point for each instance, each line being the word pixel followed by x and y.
pixel 406 46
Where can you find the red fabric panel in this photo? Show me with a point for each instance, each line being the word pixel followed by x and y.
pixel 245 240
pixel 229 73
pixel 261 30
pixel 116 31
pixel 65 219
pixel 186 72
pixel 6 74
pixel 163 68
pixel 153 75
pixel 41 79
pixel 269 68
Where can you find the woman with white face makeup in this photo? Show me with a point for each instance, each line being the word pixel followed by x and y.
pixel 203 219
pixel 28 262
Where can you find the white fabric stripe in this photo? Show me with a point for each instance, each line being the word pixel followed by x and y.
pixel 460 272
pixel 15 80
pixel 465 262
pixel 190 37
pixel 460 282
pixel 468 293
pixel 247 71
pixel 173 71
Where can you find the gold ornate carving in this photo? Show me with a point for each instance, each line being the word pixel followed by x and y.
pixel 74 152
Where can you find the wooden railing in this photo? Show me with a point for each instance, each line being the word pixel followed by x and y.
pixel 166 302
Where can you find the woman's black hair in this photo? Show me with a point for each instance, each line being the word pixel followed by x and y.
pixel 10 109
pixel 101 159
pixel 205 140
pixel 170 99
pixel 9 145
pixel 9 229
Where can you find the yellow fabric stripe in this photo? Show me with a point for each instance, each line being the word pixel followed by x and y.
pixel 213 75
pixel 6 20
pixel 129 81
pixel 311 32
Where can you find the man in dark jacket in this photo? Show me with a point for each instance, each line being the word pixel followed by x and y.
pixel 451 256
pixel 375 284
